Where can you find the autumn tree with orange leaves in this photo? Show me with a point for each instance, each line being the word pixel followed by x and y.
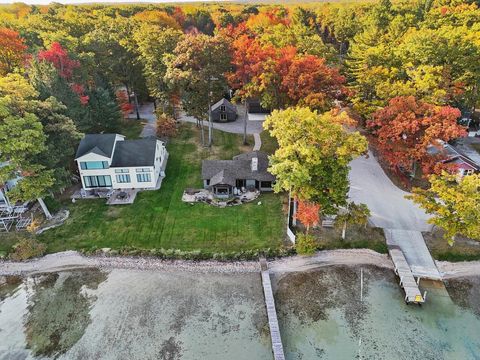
pixel 308 213
pixel 12 51
pixel 282 77
pixel 407 128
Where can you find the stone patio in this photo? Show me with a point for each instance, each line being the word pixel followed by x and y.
pixel 122 197
pixel 202 195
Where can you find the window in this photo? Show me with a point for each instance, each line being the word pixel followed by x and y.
pixel 223 116
pixel 92 165
pixel 145 177
pixel 142 170
pixel 223 108
pixel 123 178
pixel 265 184
pixel 122 171
pixel 97 181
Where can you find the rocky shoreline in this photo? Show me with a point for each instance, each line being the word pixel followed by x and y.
pixel 71 259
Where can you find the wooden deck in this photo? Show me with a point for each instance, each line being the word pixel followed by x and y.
pixel 407 280
pixel 276 338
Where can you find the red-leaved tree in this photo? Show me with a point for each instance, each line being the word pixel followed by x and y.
pixel 406 128
pixel 12 51
pixel 308 213
pixel 125 105
pixel 60 59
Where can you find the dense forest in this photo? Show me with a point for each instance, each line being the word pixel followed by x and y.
pixel 68 70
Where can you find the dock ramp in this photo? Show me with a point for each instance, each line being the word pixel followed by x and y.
pixel 407 280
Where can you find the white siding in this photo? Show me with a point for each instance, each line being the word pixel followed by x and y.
pixel 155 171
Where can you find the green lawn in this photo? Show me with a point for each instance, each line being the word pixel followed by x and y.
pixel 159 219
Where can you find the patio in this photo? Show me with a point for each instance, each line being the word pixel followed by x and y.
pixel 114 197
pixel 122 197
pixel 202 195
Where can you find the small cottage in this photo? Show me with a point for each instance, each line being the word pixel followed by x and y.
pixel 228 178
pixel 224 111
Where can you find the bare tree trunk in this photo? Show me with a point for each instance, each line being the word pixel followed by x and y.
pixel 136 105
pixel 44 208
pixel 245 124
pixel 344 230
pixel 128 93
pixel 294 218
pixel 210 125
pixel 202 134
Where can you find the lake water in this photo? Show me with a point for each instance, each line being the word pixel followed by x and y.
pixel 127 314
pixel 323 314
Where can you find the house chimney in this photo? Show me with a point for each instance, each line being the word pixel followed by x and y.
pixel 255 164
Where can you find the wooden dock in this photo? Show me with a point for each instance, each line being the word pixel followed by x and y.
pixel 407 280
pixel 277 345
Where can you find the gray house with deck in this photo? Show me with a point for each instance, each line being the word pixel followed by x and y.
pixel 227 178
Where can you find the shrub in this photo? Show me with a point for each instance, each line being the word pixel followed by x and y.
pixel 305 244
pixel 26 249
pixel 166 126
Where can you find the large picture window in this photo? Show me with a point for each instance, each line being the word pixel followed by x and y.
pixel 92 165
pixel 97 181
pixel 145 177
pixel 123 178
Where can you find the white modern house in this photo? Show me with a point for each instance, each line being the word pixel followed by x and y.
pixel 108 161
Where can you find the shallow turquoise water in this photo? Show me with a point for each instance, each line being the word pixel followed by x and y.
pixel 381 326
pixel 134 315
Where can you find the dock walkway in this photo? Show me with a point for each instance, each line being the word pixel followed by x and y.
pixel 407 280
pixel 415 251
pixel 276 338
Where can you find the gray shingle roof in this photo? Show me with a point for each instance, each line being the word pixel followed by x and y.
pixel 130 153
pixel 101 144
pixel 226 103
pixel 238 168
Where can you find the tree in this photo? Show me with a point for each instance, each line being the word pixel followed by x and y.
pixel 46 80
pixel 311 82
pixel 308 214
pixel 61 139
pixel 125 105
pixel 197 67
pixel 103 112
pixel 59 58
pixel 406 128
pixel 158 18
pixel 12 51
pixel 313 157
pixel 454 204
pixel 21 139
pixel 352 214
pixel 153 44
